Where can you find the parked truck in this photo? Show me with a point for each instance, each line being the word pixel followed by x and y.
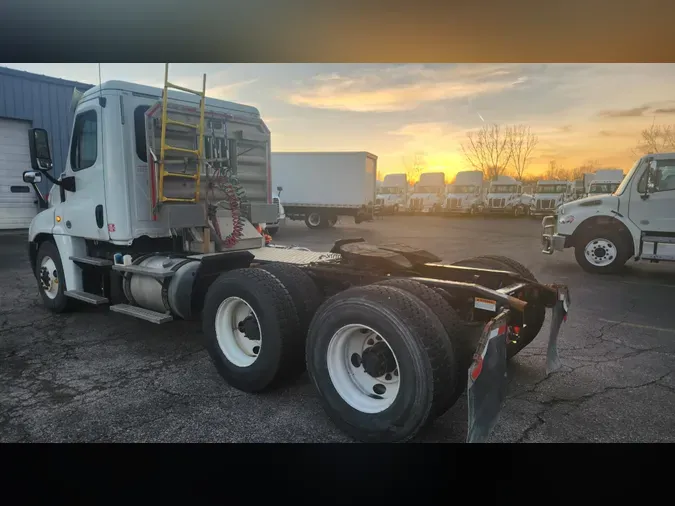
pixel 605 181
pixel 429 193
pixel 392 195
pixel 158 215
pixel 465 194
pixel 505 195
pixel 320 187
pixel 636 221
pixel 548 195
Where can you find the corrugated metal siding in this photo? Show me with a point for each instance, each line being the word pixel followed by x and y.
pixel 45 102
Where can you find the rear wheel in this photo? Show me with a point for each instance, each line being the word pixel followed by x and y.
pixel 252 330
pixel 377 358
pixel 315 220
pixel 272 231
pixel 331 221
pixel 50 278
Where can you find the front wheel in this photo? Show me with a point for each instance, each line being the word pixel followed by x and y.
pixel 395 209
pixel 601 252
pixel 50 278
pixel 517 211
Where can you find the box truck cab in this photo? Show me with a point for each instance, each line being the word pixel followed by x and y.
pixel 429 193
pixel 505 195
pixel 636 221
pixel 465 194
pixel 548 195
pixel 392 194
pixel 605 182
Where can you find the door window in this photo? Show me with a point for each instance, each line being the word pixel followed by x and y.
pixel 659 180
pixel 84 149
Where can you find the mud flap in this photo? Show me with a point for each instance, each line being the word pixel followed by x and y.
pixel 486 388
pixel 557 318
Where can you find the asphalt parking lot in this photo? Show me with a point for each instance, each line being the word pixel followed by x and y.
pixel 96 376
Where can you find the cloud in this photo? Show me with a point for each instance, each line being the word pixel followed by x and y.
pixel 403 87
pixel 624 113
pixel 669 110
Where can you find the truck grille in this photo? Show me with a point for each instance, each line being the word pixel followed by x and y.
pixel 379 202
pixel 497 202
pixel 416 203
pixel 453 203
pixel 546 204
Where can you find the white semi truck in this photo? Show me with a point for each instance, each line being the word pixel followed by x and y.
pixel 548 195
pixel 392 195
pixel 158 215
pixel 505 195
pixel 465 194
pixel 636 221
pixel 319 187
pixel 605 181
pixel 429 193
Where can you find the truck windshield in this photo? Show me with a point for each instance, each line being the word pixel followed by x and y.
pixel 503 188
pixel 551 188
pixel 602 188
pixel 391 190
pixel 428 189
pixel 626 180
pixel 462 188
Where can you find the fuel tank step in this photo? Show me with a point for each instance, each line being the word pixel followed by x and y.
pixel 145 271
pixel 141 313
pixel 98 262
pixel 89 298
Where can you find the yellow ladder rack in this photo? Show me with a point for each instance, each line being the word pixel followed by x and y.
pixel 164 147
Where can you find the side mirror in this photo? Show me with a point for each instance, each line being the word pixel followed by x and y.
pixel 32 177
pixel 280 188
pixel 40 155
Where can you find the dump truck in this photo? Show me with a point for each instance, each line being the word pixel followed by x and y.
pixel 159 215
pixel 319 187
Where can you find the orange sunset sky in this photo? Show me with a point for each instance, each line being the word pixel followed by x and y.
pixel 580 112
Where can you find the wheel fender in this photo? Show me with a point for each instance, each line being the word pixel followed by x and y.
pixel 71 246
pixel 43 223
pixel 603 222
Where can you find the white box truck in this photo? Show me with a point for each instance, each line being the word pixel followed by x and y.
pixel 429 193
pixel 605 181
pixel 319 187
pixel 392 195
pixel 636 221
pixel 465 194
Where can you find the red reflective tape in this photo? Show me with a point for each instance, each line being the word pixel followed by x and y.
pixel 477 368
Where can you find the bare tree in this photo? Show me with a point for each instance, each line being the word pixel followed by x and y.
pixel 556 171
pixel 488 150
pixel 521 144
pixel 656 139
pixel 414 170
pixel 588 167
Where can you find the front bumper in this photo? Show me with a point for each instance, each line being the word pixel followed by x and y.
pixel 550 240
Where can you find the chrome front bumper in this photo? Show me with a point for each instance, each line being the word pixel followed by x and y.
pixel 551 241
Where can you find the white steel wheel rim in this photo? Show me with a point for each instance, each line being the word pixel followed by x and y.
pixel 600 252
pixel 367 393
pixel 239 349
pixel 49 277
pixel 314 219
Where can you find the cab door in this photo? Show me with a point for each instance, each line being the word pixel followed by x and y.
pixel 83 211
pixel 652 198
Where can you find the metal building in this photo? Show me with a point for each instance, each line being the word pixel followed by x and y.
pixel 30 101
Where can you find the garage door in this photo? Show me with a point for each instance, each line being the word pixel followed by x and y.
pixel 17 199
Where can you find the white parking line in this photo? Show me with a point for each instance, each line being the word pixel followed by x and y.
pixel 650 327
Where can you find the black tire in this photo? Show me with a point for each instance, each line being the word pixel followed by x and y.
pixel 60 303
pixel 534 314
pixel 281 350
pixel 331 221
pixel 305 294
pixel 272 231
pixel 321 223
pixel 415 335
pixel 622 251
pixel 460 343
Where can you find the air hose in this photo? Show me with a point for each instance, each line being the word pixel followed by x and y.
pixel 234 195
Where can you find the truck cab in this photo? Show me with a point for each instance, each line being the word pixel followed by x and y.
pixel 392 194
pixel 636 221
pixel 505 195
pixel 548 195
pixel 465 194
pixel 429 193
